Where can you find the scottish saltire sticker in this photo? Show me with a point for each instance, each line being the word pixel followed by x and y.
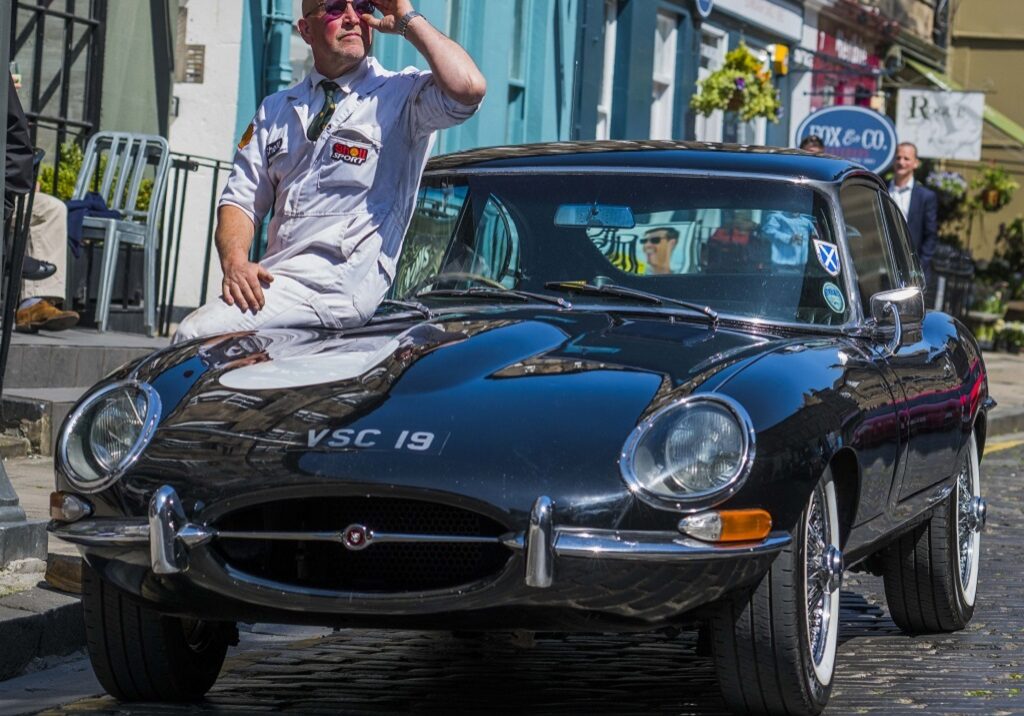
pixel 828 256
pixel 833 296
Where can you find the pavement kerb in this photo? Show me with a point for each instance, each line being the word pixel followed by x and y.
pixel 44 621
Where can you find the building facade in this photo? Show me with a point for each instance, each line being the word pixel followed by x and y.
pixel 556 70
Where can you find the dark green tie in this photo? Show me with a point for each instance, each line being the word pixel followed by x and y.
pixel 320 121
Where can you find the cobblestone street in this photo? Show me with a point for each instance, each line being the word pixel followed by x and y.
pixel 978 671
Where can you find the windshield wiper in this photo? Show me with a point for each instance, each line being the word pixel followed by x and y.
pixel 496 294
pixel 611 289
pixel 410 306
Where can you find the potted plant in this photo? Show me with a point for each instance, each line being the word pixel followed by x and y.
pixel 741 85
pixel 1012 336
pixel 951 190
pixel 994 188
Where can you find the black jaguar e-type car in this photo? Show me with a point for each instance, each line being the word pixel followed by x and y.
pixel 617 386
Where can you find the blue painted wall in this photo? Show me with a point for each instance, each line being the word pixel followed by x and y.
pixel 561 44
pixel 535 107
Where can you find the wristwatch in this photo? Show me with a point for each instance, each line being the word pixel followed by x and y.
pixel 403 24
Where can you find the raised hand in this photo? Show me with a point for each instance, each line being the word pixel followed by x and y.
pixel 392 11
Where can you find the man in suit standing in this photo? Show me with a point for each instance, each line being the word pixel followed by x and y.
pixel 919 204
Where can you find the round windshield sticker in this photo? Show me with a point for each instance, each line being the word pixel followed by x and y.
pixel 834 297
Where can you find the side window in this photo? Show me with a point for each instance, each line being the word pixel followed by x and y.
pixel 867 240
pixel 433 224
pixel 906 262
pixel 496 244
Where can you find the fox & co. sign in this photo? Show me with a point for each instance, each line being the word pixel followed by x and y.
pixel 855 133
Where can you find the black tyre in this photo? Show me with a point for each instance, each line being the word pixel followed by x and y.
pixel 931 573
pixel 139 654
pixel 775 651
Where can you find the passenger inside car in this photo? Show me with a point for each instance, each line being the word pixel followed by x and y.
pixel 734 247
pixel 790 234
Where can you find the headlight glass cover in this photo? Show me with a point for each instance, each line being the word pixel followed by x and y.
pixel 694 450
pixel 106 434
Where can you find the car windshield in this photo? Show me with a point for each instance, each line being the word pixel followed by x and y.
pixel 747 247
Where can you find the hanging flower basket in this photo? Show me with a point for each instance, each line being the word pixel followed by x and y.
pixel 993 188
pixel 741 85
pixel 991 199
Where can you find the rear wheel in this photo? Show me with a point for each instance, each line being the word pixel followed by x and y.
pixel 139 654
pixel 775 651
pixel 931 573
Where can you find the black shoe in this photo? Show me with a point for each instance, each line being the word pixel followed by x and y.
pixel 36 270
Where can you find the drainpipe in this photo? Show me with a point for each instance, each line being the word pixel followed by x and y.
pixel 277 68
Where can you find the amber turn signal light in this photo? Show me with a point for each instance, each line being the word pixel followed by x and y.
pixel 65 507
pixel 728 525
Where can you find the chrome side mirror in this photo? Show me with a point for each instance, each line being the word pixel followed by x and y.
pixel 901 308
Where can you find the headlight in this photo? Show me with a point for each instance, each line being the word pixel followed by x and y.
pixel 697 450
pixel 106 434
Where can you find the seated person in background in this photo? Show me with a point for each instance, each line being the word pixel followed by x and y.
pixel 48 242
pixel 730 246
pixel 47 239
pixel 790 235
pixel 658 244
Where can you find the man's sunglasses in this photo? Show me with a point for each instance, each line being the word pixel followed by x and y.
pixel 650 240
pixel 333 9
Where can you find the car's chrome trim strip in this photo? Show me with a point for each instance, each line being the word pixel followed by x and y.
pixel 103 532
pixel 658 546
pixel 373 537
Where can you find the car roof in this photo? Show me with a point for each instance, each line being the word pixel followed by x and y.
pixel 653 154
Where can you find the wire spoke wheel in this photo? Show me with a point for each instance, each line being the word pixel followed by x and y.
pixel 820 583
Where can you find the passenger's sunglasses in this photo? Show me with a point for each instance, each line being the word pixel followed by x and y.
pixel 333 9
pixel 650 240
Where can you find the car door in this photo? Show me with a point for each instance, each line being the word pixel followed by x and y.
pixel 932 386
pixel 879 439
pixel 921 367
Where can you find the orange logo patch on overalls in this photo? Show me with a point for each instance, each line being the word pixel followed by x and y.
pixel 351 153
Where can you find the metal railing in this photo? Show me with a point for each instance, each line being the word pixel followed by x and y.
pixel 190 213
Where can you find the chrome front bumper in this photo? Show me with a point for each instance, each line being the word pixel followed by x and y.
pixel 169 536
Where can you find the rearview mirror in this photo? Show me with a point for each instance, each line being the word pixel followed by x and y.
pixel 595 216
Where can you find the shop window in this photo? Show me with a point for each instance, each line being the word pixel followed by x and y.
pixel 664 76
pixel 604 107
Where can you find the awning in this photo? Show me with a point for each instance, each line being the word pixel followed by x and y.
pixel 993 117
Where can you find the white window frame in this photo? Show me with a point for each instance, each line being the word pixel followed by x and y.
pixel 604 107
pixel 663 75
pixel 711 128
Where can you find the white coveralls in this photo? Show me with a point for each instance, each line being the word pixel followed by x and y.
pixel 341 205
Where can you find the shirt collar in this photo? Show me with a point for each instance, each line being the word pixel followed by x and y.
pixel 900 189
pixel 348 82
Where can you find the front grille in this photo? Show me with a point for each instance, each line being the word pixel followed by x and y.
pixel 384 567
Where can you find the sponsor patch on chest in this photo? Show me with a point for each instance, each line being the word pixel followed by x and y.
pixel 350 153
